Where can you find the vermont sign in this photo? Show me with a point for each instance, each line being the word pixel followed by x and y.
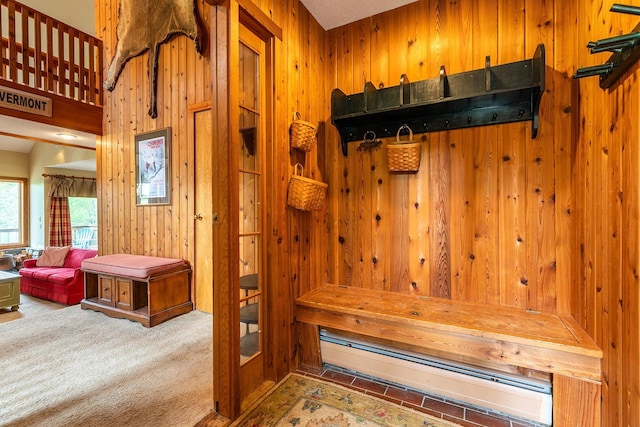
pixel 15 99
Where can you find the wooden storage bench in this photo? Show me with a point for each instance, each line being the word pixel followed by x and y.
pixel 473 333
pixel 141 288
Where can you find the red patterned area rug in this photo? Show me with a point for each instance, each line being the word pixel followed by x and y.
pixel 301 401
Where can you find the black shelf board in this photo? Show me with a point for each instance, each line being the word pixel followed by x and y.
pixel 493 95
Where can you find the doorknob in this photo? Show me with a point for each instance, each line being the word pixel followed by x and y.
pixel 199 217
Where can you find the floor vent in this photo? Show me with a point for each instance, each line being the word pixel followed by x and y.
pixel 509 394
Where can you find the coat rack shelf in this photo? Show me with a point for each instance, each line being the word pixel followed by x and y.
pixel 625 51
pixel 493 95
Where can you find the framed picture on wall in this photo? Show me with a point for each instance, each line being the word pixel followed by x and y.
pixel 153 161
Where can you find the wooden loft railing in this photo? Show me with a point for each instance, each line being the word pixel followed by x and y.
pixel 46 57
pixel 51 56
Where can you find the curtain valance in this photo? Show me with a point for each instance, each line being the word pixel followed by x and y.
pixel 65 186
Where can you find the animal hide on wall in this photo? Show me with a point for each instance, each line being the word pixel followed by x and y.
pixel 146 24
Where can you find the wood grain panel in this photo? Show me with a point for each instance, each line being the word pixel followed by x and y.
pixel 440 280
pixel 606 198
pixel 565 135
pixel 399 203
pixel 579 400
pixel 280 243
pixel 293 76
pixel 386 51
pixel 540 191
pixel 439 167
pixel 366 163
pixel 202 278
pixel 485 152
pixel 318 111
pixel 347 207
pixel 629 398
pixel 303 83
pixel 418 189
pixel 512 140
pixel 609 159
pixel 226 354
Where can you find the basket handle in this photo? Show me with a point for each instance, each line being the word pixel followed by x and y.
pixel 297 116
pixel 300 168
pixel 402 128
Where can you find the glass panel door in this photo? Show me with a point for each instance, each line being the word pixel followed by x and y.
pixel 250 194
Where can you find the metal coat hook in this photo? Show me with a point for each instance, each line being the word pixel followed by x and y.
pixel 369 141
pixel 625 51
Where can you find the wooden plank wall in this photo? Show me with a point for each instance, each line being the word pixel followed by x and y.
pixel 606 292
pixel 487 216
pixel 165 230
pixel 297 241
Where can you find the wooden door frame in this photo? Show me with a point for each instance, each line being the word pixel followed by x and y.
pixel 224 38
pixel 226 352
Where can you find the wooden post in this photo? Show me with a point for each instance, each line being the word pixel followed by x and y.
pixel 309 347
pixel 576 402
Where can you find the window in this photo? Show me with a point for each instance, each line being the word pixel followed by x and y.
pixel 14 212
pixel 84 222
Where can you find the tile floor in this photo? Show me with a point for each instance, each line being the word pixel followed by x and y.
pixel 437 406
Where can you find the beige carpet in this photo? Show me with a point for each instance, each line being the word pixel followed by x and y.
pixel 302 401
pixel 29 307
pixel 74 367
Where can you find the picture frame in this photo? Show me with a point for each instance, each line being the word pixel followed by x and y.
pixel 153 167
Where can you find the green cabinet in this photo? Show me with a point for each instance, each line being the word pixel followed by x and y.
pixel 9 290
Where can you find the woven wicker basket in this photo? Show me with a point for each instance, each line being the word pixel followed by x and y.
pixel 305 194
pixel 303 134
pixel 404 156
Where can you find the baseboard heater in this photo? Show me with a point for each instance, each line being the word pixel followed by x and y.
pixel 514 395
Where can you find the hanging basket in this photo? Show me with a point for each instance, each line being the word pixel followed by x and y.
pixel 305 194
pixel 303 134
pixel 404 156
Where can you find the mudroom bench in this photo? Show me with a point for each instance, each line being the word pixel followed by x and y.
pixel 494 336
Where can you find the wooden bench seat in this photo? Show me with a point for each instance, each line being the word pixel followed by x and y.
pixel 471 332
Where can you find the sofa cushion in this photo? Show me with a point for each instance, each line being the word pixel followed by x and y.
pixel 62 276
pixel 29 272
pixel 57 275
pixel 76 256
pixel 53 256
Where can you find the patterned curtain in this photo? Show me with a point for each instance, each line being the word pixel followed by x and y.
pixel 61 188
pixel 60 222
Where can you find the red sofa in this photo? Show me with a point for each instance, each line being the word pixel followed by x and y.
pixel 64 284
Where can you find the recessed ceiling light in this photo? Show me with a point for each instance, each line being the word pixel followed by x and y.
pixel 65 135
